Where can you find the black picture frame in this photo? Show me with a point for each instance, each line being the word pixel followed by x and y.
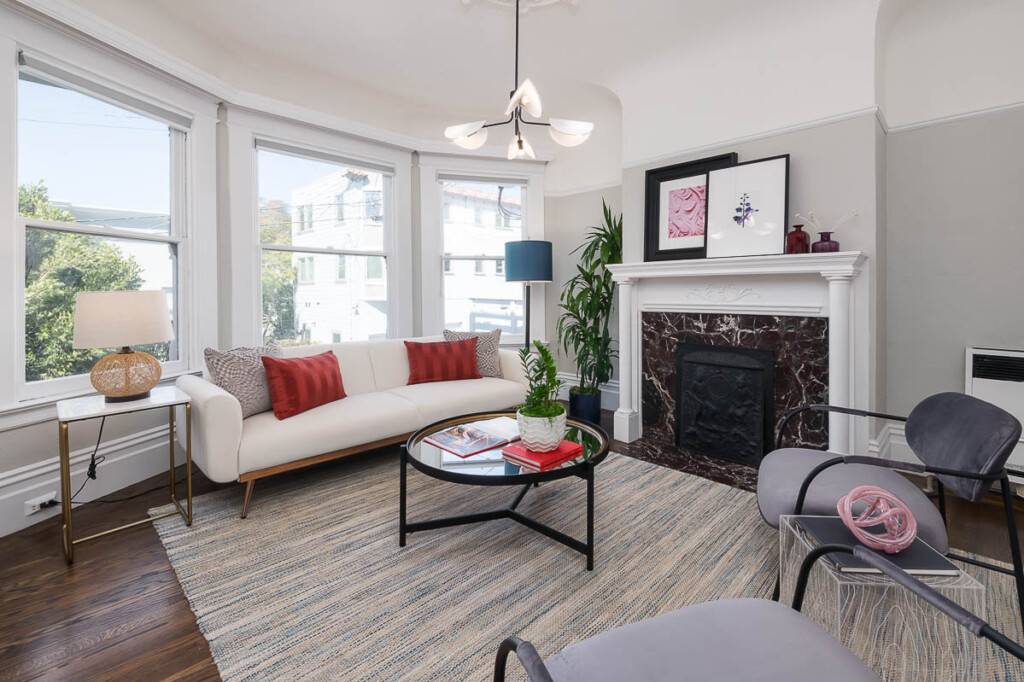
pixel 784 218
pixel 652 203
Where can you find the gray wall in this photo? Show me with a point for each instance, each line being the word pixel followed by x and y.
pixel 834 168
pixel 566 219
pixel 955 244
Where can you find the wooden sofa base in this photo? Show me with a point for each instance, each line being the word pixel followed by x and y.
pixel 249 478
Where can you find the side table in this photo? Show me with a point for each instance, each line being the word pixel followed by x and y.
pixel 95 407
pixel 886 626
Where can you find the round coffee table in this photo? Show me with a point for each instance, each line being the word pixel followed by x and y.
pixel 488 468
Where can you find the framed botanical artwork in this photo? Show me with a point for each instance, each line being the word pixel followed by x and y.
pixel 748 206
pixel 675 214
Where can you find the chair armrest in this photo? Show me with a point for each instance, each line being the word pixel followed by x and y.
pixel 954 611
pixel 528 658
pixel 511 366
pixel 828 408
pixel 216 428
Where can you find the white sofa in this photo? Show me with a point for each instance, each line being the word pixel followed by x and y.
pixel 380 409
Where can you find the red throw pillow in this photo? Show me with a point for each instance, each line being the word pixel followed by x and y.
pixel 442 361
pixel 300 384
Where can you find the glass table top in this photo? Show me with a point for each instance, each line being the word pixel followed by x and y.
pixel 492 463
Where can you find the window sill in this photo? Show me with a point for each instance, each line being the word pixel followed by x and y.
pixel 41 410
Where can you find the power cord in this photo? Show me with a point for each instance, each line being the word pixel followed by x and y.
pixel 94 462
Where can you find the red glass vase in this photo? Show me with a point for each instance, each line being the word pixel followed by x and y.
pixel 826 244
pixel 798 241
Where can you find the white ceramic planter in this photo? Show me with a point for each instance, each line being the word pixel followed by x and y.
pixel 541 434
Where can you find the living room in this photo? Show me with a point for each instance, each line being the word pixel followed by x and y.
pixel 511 339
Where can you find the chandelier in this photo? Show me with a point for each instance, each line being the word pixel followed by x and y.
pixel 524 99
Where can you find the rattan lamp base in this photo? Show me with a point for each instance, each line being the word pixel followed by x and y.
pixel 128 375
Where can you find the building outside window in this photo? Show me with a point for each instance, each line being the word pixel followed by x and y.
pixel 374 202
pixel 328 282
pixel 97 194
pixel 477 298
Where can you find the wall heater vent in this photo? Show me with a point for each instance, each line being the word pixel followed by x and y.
pixel 996 375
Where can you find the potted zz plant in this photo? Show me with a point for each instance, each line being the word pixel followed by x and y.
pixel 587 304
pixel 541 417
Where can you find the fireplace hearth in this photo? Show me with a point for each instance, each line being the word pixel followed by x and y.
pixel 726 401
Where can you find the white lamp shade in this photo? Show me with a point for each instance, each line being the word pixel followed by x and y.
pixel 463 129
pixel 514 152
pixel 472 141
pixel 568 126
pixel 526 96
pixel 565 139
pixel 111 319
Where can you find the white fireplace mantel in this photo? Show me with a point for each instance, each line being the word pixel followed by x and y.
pixel 813 284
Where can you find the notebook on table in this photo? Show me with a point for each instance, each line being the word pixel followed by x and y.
pixel 919 559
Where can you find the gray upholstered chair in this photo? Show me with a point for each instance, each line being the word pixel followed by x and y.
pixel 732 639
pixel 964 442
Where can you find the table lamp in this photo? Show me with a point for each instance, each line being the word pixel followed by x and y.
pixel 108 319
pixel 528 261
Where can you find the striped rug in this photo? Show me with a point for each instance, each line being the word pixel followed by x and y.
pixel 313 585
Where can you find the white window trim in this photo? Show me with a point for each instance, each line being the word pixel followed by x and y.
pixel 433 168
pixel 241 301
pixel 143 90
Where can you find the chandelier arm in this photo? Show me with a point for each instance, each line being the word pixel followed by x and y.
pixel 515 85
pixel 534 123
pixel 498 123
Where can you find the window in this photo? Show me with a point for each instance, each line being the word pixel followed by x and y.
pixel 98 190
pixel 306 265
pixel 374 205
pixel 476 298
pixel 298 307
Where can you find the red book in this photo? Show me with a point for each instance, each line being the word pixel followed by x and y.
pixel 542 461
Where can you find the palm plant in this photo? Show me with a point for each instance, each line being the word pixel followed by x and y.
pixel 587 304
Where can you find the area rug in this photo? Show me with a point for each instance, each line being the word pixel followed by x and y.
pixel 313 585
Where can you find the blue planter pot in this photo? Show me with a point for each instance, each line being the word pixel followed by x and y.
pixel 585 406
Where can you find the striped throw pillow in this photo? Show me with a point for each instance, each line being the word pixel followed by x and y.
pixel 442 361
pixel 487 345
pixel 300 384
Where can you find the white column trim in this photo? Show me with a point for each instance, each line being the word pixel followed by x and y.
pixel 840 353
pixel 627 417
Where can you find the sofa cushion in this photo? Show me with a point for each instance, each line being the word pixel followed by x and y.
pixel 353 358
pixel 356 420
pixel 732 639
pixel 442 361
pixel 240 372
pixel 443 399
pixel 300 384
pixel 390 363
pixel 488 345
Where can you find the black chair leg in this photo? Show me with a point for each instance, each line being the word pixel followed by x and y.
pixel 778 587
pixel 1011 527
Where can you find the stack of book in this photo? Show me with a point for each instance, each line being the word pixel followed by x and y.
pixel 531 461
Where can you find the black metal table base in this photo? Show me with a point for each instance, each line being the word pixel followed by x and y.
pixel 586 548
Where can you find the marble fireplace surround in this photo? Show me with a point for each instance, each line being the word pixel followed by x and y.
pixel 805 285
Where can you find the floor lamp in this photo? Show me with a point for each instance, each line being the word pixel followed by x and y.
pixel 528 261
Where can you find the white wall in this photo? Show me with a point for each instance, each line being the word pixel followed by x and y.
pixel 941 58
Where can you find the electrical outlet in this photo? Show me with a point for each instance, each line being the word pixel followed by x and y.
pixel 37 504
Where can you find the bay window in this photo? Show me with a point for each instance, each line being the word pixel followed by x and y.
pixel 101 189
pixel 323 269
pixel 478 217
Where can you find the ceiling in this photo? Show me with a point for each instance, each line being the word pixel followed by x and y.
pixel 659 76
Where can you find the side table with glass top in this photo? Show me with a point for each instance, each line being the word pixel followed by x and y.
pixel 96 407
pixel 488 468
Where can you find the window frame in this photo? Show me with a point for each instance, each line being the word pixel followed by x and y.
pixel 178 236
pixel 389 203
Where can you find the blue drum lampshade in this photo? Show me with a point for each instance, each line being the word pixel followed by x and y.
pixel 528 261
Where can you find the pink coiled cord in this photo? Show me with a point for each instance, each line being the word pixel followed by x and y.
pixel 881 508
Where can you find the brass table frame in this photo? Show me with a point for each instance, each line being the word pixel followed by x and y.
pixel 67 536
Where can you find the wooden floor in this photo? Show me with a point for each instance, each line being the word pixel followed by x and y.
pixel 119 613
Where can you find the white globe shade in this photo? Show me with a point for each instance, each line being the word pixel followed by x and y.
pixel 514 152
pixel 474 141
pixel 526 96
pixel 463 129
pixel 571 127
pixel 567 140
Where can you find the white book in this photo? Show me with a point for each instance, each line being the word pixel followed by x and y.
pixel 505 428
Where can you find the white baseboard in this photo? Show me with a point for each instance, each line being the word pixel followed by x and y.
pixel 128 460
pixel 609 392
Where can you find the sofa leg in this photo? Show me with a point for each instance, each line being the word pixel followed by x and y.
pixel 249 486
